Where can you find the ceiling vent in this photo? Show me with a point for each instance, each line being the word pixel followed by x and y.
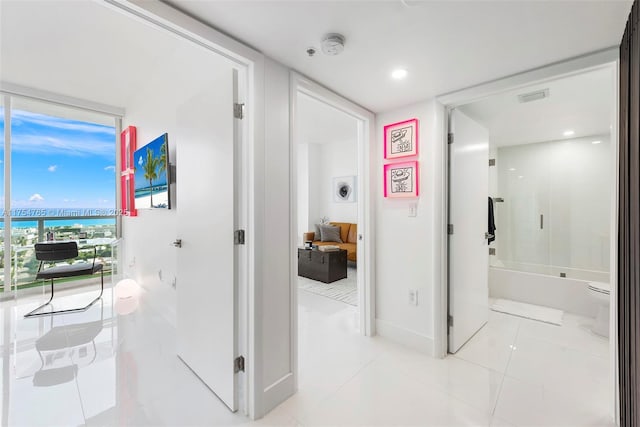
pixel 533 96
pixel 333 44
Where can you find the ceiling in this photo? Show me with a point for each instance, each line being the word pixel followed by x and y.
pixel 583 103
pixel 80 49
pixel 319 123
pixel 86 50
pixel 444 45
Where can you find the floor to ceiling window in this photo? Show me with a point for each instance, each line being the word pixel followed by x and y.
pixel 62 172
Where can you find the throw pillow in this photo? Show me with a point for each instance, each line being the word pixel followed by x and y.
pixel 317 235
pixel 330 233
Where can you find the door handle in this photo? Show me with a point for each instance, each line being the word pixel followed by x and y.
pixel 177 243
pixel 488 235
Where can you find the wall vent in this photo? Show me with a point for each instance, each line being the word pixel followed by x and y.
pixel 533 96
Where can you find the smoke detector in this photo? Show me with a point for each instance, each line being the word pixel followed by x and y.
pixel 533 96
pixel 333 44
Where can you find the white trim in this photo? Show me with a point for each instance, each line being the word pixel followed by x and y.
pixel 572 66
pixel 366 134
pixel 406 337
pixel 6 103
pixel 251 64
pixel 279 391
pixel 55 98
pixel 613 263
pixel 441 219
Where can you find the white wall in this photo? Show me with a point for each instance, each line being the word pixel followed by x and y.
pixel 318 164
pixel 407 253
pixel 303 191
pixel 338 159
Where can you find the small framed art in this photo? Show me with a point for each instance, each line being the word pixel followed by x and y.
pixel 401 180
pixel 401 139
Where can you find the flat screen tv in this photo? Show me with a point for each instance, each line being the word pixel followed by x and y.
pixel 152 180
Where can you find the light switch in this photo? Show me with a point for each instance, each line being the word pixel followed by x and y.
pixel 413 209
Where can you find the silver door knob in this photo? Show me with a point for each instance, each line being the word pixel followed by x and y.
pixel 177 243
pixel 488 236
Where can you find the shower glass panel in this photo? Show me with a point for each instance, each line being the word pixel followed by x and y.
pixel 555 215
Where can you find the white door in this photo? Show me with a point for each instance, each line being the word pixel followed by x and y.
pixel 468 211
pixel 205 307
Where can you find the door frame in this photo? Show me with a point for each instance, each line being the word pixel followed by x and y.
pixel 249 133
pixel 446 102
pixel 300 84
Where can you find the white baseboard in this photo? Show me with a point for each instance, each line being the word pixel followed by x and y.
pixel 406 337
pixel 277 393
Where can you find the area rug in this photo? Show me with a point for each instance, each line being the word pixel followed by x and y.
pixel 528 311
pixel 345 290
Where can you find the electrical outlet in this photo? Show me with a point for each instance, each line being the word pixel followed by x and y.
pixel 413 297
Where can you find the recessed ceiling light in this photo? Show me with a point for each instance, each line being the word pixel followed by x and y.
pixel 596 142
pixel 520 177
pixel 568 132
pixel 399 73
pixel 512 169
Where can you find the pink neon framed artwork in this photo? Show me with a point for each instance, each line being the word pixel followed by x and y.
pixel 401 180
pixel 401 139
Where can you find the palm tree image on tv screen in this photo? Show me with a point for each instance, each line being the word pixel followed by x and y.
pixel 151 174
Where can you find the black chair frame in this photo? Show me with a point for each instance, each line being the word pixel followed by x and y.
pixel 60 251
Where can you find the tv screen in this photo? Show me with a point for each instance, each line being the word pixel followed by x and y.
pixel 151 164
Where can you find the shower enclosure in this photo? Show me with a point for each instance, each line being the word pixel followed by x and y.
pixel 552 203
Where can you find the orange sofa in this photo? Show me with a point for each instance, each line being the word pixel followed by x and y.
pixel 348 235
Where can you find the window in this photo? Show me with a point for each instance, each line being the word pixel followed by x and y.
pixel 63 184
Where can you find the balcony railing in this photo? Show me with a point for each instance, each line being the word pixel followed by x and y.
pixel 26 231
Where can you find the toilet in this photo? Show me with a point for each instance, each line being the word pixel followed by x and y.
pixel 599 293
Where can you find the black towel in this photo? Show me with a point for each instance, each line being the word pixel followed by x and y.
pixel 492 223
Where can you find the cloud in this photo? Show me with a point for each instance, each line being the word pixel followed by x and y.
pixel 41 134
pixel 36 198
pixel 20 118
pixel 110 168
pixel 75 145
pixel 52 168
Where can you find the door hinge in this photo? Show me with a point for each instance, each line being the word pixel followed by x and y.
pixel 238 237
pixel 492 162
pixel 238 111
pixel 238 364
pixel 450 138
pixel 450 229
pixel 450 320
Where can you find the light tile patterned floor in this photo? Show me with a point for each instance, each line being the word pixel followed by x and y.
pixel 514 372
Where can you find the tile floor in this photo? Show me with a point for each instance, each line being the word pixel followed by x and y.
pixel 101 368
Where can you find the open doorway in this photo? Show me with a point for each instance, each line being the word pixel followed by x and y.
pixel 327 177
pixel 530 273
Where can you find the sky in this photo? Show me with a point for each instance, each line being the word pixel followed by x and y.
pixel 60 163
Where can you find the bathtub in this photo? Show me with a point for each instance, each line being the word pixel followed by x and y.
pixel 546 287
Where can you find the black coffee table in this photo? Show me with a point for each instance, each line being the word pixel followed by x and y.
pixel 325 267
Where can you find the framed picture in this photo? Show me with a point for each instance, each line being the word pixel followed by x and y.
pixel 152 174
pixel 344 189
pixel 401 180
pixel 401 139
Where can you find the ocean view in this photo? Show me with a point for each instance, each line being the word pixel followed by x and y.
pixel 28 218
